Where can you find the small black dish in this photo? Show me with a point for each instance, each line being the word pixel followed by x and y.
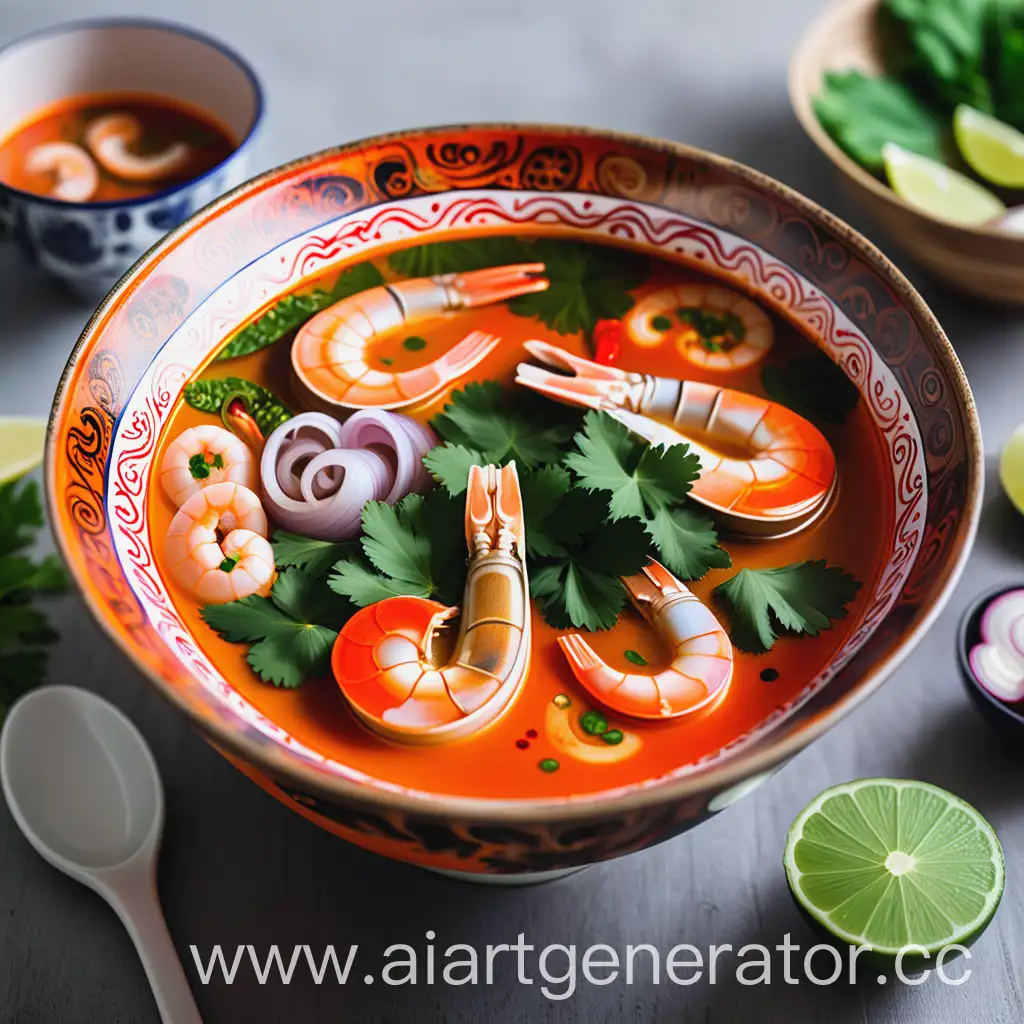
pixel 1007 718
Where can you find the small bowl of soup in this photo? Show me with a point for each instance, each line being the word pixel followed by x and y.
pixel 508 498
pixel 112 132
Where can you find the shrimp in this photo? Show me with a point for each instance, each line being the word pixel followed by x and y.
pixel 764 470
pixel 218 571
pixel 109 137
pixel 202 456
pixel 329 355
pixel 712 327
pixel 382 657
pixel 702 663
pixel 75 177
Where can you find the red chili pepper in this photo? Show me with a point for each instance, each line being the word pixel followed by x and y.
pixel 607 341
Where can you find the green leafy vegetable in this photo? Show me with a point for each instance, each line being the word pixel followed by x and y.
pixel 291 632
pixel 417 547
pixel 25 632
pixel 294 310
pixel 805 597
pixel 266 408
pixel 588 283
pixel 714 330
pixel 813 386
pixel 315 556
pixel 198 466
pixel 650 484
pixel 938 48
pixel 498 425
pixel 459 256
pixel 1004 61
pixel 635 657
pixel 228 564
pixel 862 114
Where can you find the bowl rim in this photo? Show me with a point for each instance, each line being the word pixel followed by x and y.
pixel 171 28
pixel 800 101
pixel 761 758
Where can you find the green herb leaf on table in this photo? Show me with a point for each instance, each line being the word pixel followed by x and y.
pixel 459 256
pixel 291 633
pixel 863 113
pixel 813 386
pixel 938 48
pixel 805 597
pixel 25 631
pixel 588 283
pixel 417 548
pixel 500 425
pixel 208 396
pixel 294 310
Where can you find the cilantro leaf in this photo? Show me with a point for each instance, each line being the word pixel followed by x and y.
pixel 503 425
pixel 315 556
pixel 813 386
pixel 291 632
pixel 450 463
pixel 266 408
pixel 544 491
pixel 459 256
pixel 642 479
pixel 687 542
pixel 24 629
pixel 587 283
pixel 805 597
pixel 294 310
pixel 417 548
pixel 863 113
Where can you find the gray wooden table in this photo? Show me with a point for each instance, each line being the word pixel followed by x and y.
pixel 238 867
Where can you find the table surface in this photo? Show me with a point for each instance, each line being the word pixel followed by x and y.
pixel 237 867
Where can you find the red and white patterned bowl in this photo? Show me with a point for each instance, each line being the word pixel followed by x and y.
pixel 173 310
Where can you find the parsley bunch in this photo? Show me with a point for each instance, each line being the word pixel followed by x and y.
pixel 25 632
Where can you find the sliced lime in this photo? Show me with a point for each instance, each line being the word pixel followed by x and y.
pixel 22 439
pixel 889 863
pixel 994 149
pixel 938 190
pixel 1011 468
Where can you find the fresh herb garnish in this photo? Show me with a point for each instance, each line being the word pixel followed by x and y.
pixel 486 423
pixel 218 461
pixel 25 632
pixel 294 310
pixel 863 113
pixel 715 331
pixel 291 632
pixel 613 737
pixel 805 597
pixel 593 723
pixel 198 466
pixel 650 484
pixel 266 408
pixel 417 547
pixel 1005 62
pixel 635 657
pixel 315 556
pixel 587 283
pixel 414 343
pixel 228 564
pixel 813 386
pixel 459 256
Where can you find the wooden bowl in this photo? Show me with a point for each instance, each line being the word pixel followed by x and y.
pixel 979 261
pixel 170 314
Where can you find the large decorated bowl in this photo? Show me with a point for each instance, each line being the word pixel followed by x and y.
pixel 506 498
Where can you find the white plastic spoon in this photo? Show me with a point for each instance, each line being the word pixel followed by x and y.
pixel 84 788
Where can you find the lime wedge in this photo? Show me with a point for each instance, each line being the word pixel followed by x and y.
pixel 1011 468
pixel 938 190
pixel 994 149
pixel 886 863
pixel 22 439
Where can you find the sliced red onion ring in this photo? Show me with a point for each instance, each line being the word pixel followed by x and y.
pixel 998 663
pixel 398 439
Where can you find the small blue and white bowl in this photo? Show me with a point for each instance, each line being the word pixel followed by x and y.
pixel 90 245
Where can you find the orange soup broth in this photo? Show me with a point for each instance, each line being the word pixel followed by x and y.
pixel 164 121
pixel 495 764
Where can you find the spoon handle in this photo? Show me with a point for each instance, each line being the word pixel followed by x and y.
pixel 144 919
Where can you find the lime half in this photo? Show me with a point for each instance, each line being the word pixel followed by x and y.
pixel 888 863
pixel 22 439
pixel 994 149
pixel 1011 468
pixel 938 190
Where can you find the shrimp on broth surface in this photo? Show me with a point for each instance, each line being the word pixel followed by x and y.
pixel 382 657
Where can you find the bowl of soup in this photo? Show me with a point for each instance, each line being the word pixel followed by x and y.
pixel 112 132
pixel 507 498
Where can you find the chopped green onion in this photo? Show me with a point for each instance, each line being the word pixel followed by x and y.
pixel 612 736
pixel 198 467
pixel 593 722
pixel 635 657
pixel 549 764
pixel 414 344
pixel 228 564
